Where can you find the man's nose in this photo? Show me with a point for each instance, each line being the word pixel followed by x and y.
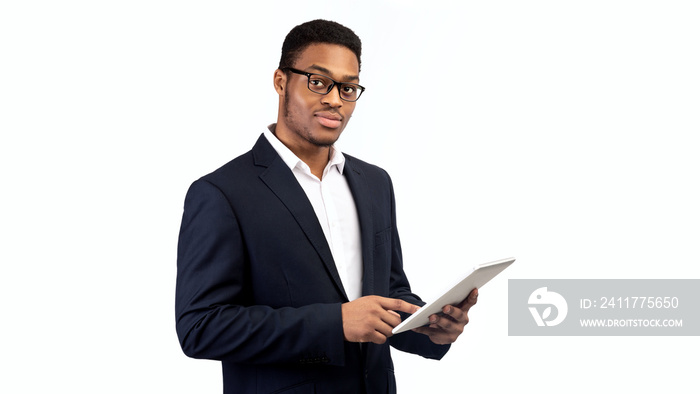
pixel 332 98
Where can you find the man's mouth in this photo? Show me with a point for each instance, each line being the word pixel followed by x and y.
pixel 329 119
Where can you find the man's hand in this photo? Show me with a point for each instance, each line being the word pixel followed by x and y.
pixel 445 329
pixel 371 318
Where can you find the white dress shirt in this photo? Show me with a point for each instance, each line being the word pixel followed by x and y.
pixel 335 209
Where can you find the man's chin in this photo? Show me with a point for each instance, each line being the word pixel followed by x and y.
pixel 327 138
pixel 323 143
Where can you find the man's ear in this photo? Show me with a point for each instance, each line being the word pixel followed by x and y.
pixel 280 81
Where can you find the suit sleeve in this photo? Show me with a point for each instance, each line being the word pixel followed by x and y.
pixel 408 341
pixel 215 315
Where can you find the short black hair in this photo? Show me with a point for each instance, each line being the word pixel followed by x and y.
pixel 318 31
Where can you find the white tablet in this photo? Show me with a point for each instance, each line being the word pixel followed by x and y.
pixel 477 278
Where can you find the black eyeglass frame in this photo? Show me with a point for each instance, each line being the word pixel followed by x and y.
pixel 360 89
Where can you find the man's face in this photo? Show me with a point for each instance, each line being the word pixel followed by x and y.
pixel 316 120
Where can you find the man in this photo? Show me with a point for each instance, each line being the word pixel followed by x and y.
pixel 289 262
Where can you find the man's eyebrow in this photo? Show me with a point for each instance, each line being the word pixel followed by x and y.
pixel 328 72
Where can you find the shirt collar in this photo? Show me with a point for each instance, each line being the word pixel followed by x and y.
pixel 337 158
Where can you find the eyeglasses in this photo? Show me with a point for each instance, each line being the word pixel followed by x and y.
pixel 321 84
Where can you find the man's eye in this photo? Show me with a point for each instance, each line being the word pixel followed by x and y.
pixel 317 82
pixel 349 89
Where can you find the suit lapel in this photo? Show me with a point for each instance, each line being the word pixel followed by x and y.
pixel 361 194
pixel 281 181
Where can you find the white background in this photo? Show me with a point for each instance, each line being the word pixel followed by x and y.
pixel 559 132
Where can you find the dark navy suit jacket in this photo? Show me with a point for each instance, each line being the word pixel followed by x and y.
pixel 257 287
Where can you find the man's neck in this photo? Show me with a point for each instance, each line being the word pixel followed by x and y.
pixel 316 157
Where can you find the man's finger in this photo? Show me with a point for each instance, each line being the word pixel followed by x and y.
pixel 470 301
pixel 385 330
pixel 395 304
pixel 392 318
pixel 455 313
